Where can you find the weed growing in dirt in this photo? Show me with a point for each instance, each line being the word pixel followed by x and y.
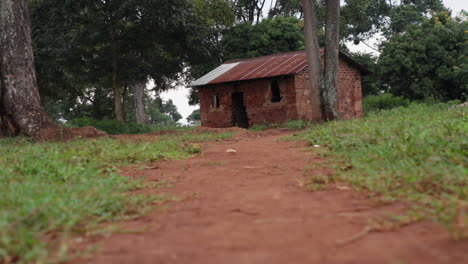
pixel 297 124
pixel 418 153
pixel 259 127
pixel 55 189
pixel 291 124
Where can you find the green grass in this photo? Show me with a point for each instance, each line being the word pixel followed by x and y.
pixel 291 124
pixel 418 154
pixel 64 188
pixel 259 127
pixel 113 127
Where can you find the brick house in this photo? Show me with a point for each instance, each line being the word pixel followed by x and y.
pixel 272 89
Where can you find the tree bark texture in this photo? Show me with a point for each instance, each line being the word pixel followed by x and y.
pixel 119 104
pixel 332 38
pixel 116 87
pixel 140 112
pixel 313 56
pixel 20 107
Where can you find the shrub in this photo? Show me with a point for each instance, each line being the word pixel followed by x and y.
pixel 387 101
pixel 112 127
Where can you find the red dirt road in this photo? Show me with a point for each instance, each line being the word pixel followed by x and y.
pixel 249 207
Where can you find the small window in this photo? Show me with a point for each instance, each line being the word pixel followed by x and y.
pixel 275 92
pixel 215 101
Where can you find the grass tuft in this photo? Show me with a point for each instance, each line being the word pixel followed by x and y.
pixel 418 153
pixel 61 188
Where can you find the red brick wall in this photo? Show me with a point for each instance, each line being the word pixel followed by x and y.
pixel 215 117
pixel 257 99
pixel 349 91
pixel 349 94
pixel 308 103
pixel 297 101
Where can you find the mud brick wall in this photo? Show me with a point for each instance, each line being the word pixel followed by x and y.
pixel 257 100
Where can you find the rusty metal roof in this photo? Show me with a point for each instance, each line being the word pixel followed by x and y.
pixel 288 63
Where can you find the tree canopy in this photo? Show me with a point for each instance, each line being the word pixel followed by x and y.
pixel 103 47
pixel 89 54
pixel 428 61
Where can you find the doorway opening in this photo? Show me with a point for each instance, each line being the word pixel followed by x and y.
pixel 239 114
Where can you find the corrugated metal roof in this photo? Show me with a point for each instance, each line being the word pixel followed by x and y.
pixel 255 68
pixel 288 63
pixel 209 77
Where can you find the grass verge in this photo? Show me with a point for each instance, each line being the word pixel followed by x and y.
pixel 64 187
pixel 417 153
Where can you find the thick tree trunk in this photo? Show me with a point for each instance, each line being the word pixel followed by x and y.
pixel 332 35
pixel 20 107
pixel 140 112
pixel 313 56
pixel 116 87
pixel 118 104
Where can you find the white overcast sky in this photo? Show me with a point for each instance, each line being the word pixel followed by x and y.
pixel 180 95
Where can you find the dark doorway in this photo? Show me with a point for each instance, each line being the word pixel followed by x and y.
pixel 239 115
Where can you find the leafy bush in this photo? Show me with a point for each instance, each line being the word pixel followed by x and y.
pixel 112 127
pixel 418 153
pixel 386 101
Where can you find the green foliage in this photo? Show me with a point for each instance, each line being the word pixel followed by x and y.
pixel 270 36
pixel 286 8
pixel 374 103
pixel 259 127
pixel 194 117
pixel 248 10
pixel 112 127
pixel 86 49
pixel 161 112
pixel 371 84
pixel 216 14
pixel 428 60
pixel 362 19
pixel 69 187
pixel 297 124
pixel 418 153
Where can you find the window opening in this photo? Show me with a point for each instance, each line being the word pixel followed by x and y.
pixel 216 101
pixel 275 92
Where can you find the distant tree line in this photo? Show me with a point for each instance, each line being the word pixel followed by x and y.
pixel 94 58
pixel 92 55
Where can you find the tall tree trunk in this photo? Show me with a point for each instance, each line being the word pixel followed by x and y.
pixel 313 56
pixel 118 97
pixel 332 36
pixel 119 104
pixel 20 107
pixel 116 87
pixel 138 93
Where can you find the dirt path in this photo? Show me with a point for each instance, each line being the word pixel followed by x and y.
pixel 248 207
